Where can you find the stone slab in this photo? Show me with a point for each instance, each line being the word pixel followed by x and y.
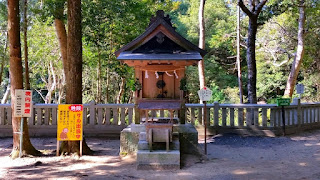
pixel 159 158
pixel 161 167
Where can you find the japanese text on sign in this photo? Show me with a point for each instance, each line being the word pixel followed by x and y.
pixel 283 102
pixel 23 103
pixel 300 88
pixel 205 94
pixel 70 122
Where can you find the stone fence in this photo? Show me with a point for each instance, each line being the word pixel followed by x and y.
pixel 110 119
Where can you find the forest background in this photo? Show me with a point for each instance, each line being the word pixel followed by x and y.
pixel 108 25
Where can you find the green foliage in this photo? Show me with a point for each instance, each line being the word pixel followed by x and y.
pixel 220 38
pixel 277 43
pixel 108 25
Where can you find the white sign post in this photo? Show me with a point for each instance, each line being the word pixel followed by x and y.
pixel 300 89
pixel 22 108
pixel 205 95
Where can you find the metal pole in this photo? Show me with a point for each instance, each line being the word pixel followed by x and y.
pixel 21 137
pixel 205 127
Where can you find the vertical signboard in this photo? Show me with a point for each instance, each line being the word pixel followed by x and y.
pixel 70 123
pixel 23 104
pixel 205 94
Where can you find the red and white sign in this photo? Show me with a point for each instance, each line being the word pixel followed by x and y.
pixel 23 103
pixel 205 94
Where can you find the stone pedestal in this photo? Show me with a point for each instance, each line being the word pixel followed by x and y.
pixel 188 137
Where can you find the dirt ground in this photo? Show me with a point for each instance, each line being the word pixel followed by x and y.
pixel 229 157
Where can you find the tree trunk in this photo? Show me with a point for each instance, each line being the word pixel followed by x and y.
pixel 25 40
pixel 3 58
pixel 74 71
pixel 121 91
pixel 238 56
pixel 62 38
pixel 251 61
pixel 299 54
pixel 17 80
pixel 6 94
pixel 201 43
pixel 99 86
pixel 253 14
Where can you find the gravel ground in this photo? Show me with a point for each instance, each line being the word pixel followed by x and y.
pixel 229 157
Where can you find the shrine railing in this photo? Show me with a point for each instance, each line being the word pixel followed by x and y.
pixel 110 119
pixel 256 117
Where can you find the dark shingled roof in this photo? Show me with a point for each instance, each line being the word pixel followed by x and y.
pixel 160 46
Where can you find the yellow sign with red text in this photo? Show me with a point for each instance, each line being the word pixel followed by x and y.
pixel 70 122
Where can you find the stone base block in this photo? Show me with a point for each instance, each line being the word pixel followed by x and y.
pixel 159 159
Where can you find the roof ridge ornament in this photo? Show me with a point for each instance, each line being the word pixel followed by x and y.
pixel 160 15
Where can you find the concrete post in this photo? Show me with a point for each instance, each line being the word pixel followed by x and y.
pixel 92 112
pixel 299 112
pixel 216 114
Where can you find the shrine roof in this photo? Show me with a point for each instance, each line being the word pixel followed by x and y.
pixel 160 41
pixel 189 55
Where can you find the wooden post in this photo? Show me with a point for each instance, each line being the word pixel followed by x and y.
pixel 81 147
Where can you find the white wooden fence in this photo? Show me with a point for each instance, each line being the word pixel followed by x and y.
pixel 110 119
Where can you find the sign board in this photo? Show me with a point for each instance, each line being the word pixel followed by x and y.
pixel 283 102
pixel 23 103
pixel 70 122
pixel 205 94
pixel 300 88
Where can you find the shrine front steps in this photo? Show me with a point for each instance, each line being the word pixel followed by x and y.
pixel 158 158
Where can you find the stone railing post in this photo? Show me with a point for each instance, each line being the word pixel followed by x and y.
pixel 92 108
pixel 299 113
pixel 216 113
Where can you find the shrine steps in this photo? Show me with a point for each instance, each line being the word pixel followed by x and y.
pixel 158 158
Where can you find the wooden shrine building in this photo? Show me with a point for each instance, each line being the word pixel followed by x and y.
pixel 159 57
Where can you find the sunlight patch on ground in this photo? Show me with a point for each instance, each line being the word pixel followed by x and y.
pixel 304 164
pixel 309 144
pixel 184 174
pixel 241 172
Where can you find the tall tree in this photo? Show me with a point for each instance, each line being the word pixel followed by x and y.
pixel 16 79
pixel 295 68
pixel 255 7
pixel 202 42
pixel 74 71
pixel 58 8
pixel 238 56
pixel 25 40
